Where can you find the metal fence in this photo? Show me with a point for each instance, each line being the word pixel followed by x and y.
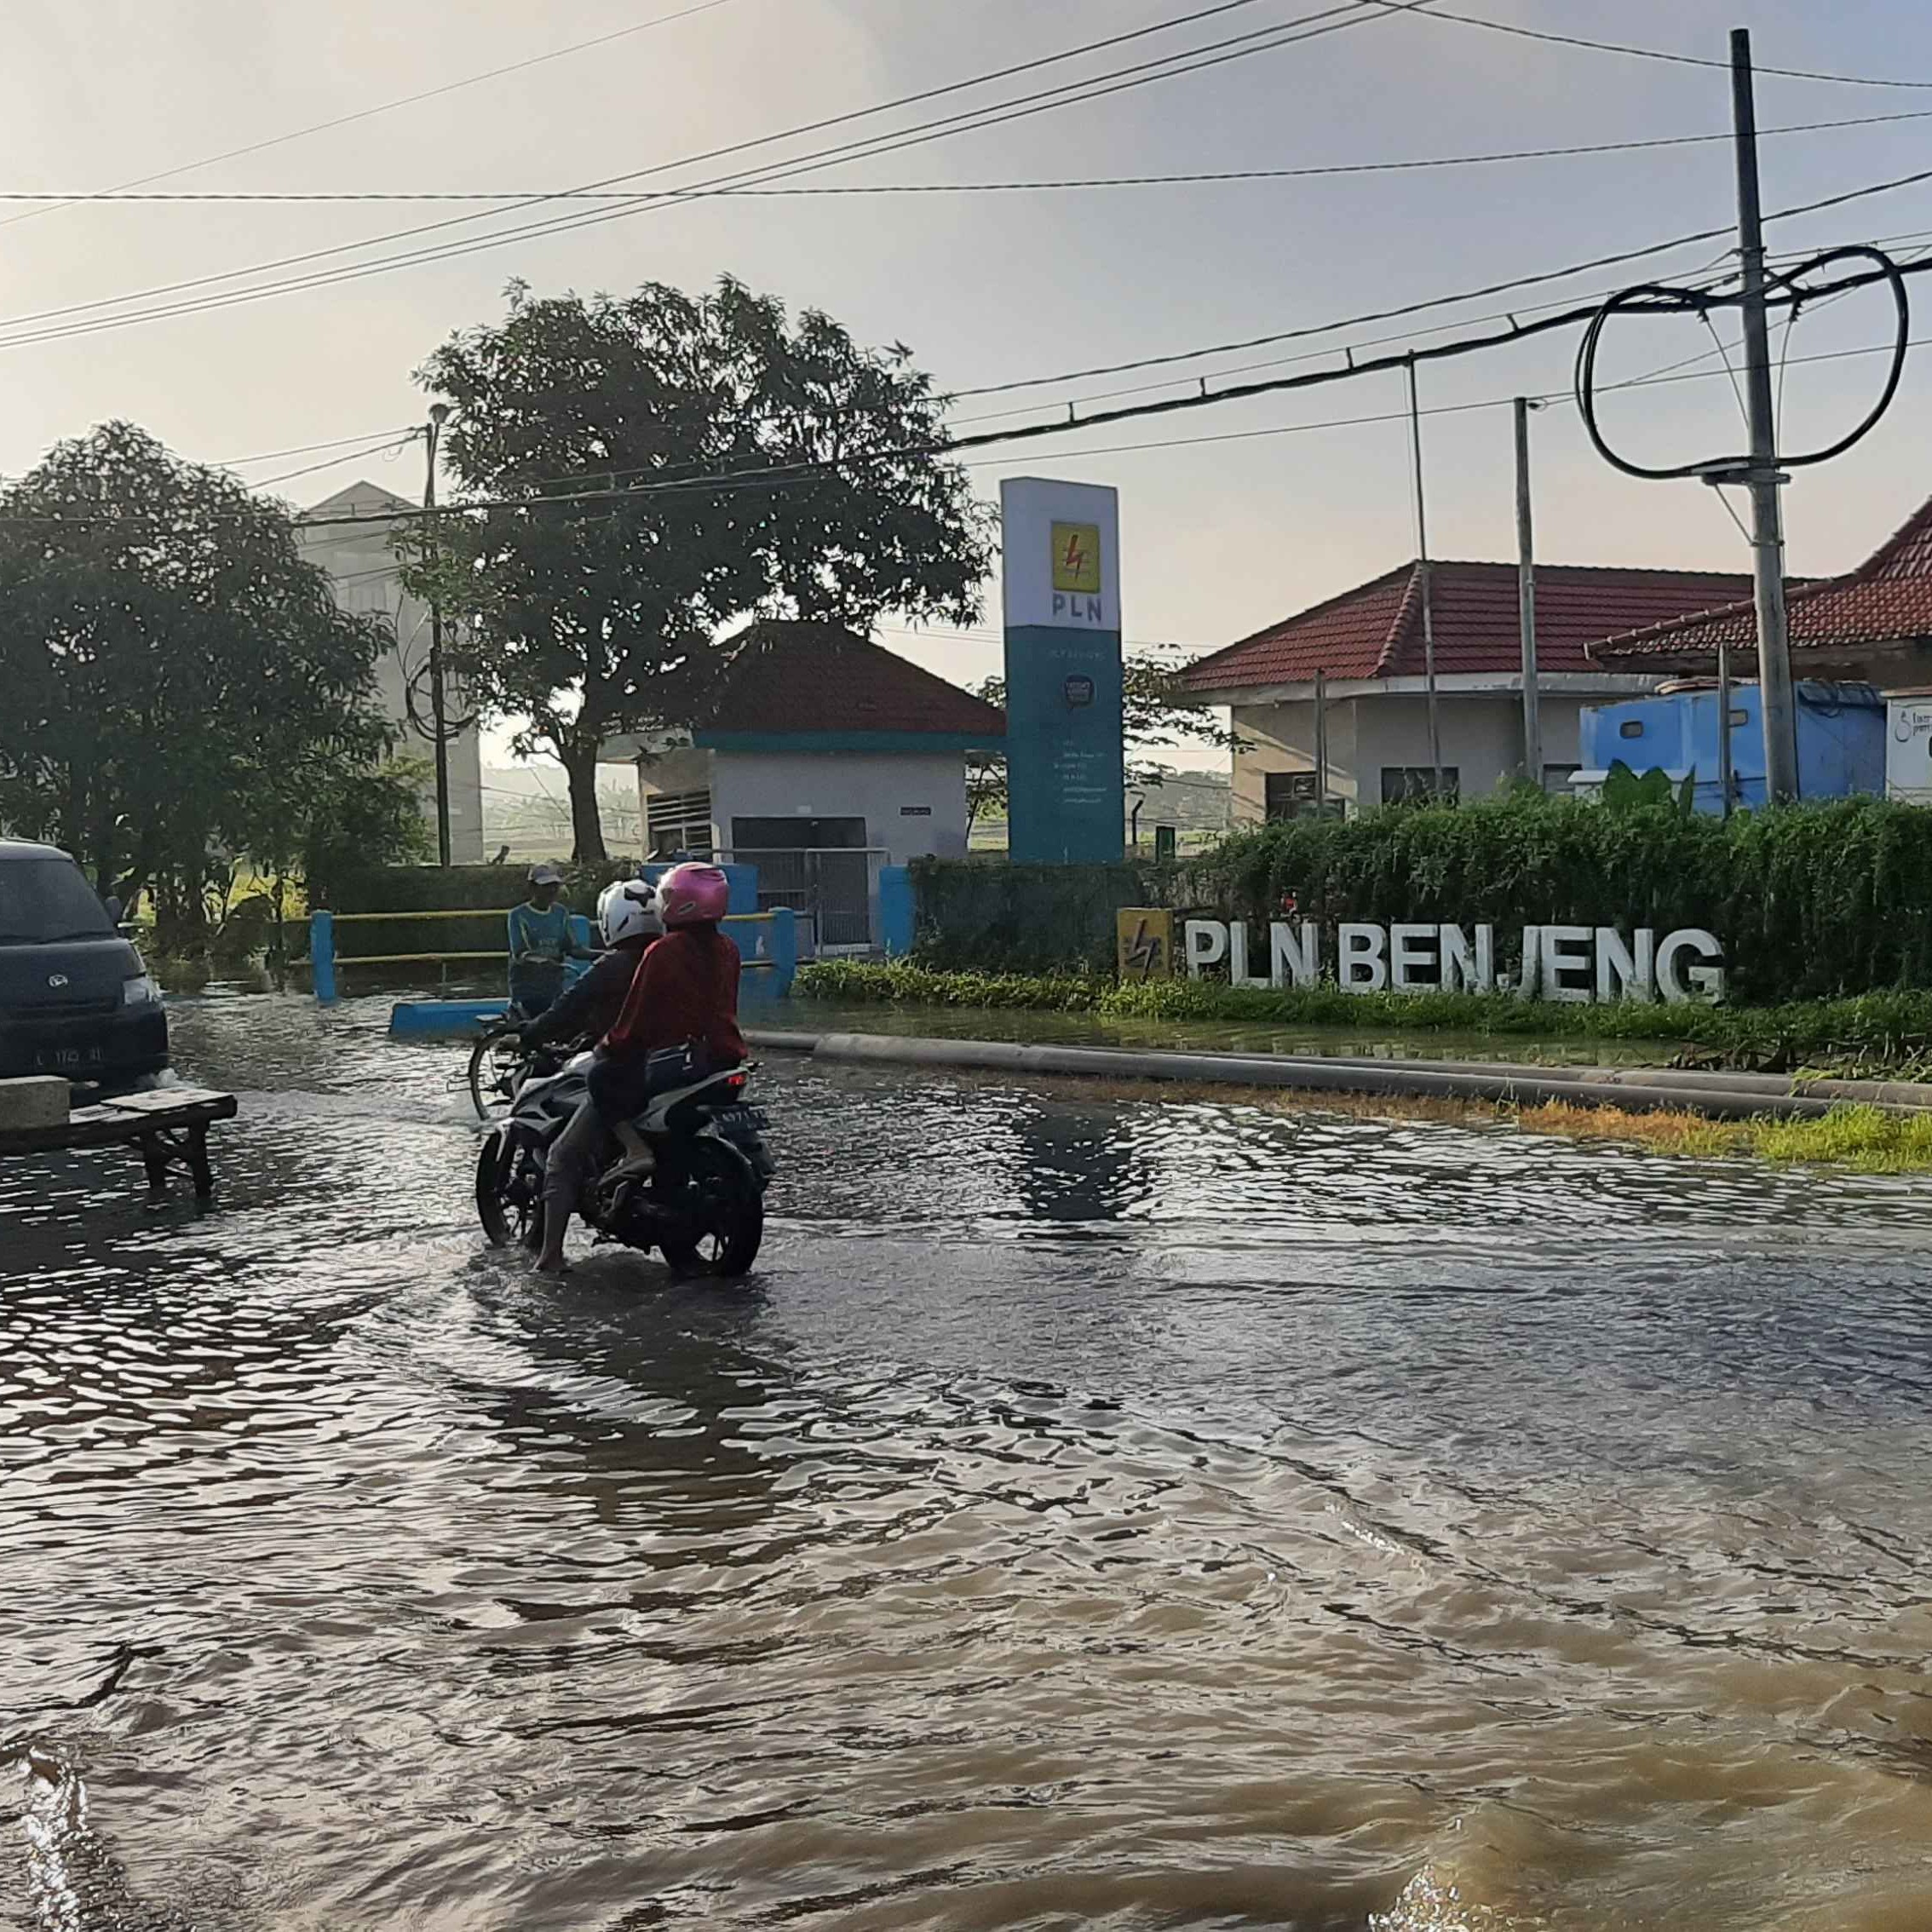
pixel 833 890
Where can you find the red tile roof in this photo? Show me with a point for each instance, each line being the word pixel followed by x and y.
pixel 787 677
pixel 1887 600
pixel 1375 630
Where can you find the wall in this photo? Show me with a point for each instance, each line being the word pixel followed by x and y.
pixel 1481 739
pixel 367 580
pixel 1281 738
pixel 872 785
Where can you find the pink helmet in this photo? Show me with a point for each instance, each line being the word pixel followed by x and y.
pixel 692 895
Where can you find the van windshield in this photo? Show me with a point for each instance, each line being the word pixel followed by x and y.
pixel 46 900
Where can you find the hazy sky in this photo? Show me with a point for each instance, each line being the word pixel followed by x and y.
pixel 1219 536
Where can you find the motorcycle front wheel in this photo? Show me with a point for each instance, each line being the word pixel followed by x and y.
pixel 723 1213
pixel 506 1222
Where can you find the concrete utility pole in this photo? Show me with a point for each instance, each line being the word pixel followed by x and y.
pixel 1321 744
pixel 1525 600
pixel 1427 587
pixel 438 707
pixel 1725 783
pixel 1761 473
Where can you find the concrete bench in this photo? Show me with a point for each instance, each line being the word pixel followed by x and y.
pixel 169 1125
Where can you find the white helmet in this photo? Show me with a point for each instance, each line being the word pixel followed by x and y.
pixel 629 910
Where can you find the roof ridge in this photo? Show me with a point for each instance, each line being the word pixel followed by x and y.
pixel 799 665
pixel 1399 625
pixel 1319 609
pixel 1913 526
pixel 1586 570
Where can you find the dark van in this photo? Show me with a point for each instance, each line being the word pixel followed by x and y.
pixel 75 998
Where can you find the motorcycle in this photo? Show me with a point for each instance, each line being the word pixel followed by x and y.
pixel 703 1204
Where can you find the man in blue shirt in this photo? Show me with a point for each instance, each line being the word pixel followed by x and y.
pixel 540 941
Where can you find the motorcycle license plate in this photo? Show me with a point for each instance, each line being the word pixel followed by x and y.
pixel 741 1119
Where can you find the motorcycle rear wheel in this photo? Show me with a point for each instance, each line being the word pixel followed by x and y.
pixel 506 1224
pixel 729 1216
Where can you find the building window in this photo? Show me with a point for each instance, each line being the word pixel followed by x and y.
pixel 749 837
pixel 1287 794
pixel 679 821
pixel 1556 780
pixel 1409 785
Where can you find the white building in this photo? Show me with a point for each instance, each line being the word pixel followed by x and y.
pixel 823 757
pixel 366 578
pixel 1367 645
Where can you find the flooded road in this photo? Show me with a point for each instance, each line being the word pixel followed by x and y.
pixel 1116 1515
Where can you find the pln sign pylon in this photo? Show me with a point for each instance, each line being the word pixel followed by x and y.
pixel 1059 545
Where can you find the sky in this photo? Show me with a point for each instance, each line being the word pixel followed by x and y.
pixel 1260 512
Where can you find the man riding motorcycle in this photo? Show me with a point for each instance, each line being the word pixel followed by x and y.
pixel 627 917
pixel 678 1021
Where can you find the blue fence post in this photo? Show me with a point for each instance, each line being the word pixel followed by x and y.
pixel 322 955
pixel 744 881
pixel 895 911
pixel 785 949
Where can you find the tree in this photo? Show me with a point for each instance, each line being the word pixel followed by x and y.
pixel 1156 712
pixel 177 678
pixel 599 617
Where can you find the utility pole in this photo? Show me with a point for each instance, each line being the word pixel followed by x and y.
pixel 1427 599
pixel 438 707
pixel 1526 601
pixel 1724 782
pixel 1321 744
pixel 1761 472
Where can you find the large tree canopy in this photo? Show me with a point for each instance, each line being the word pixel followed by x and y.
pixel 179 685
pixel 597 617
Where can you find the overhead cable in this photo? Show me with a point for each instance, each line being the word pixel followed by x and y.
pixel 1661 53
pixel 333 197
pixel 793 132
pixel 1333 18
pixel 1438 302
pixel 369 114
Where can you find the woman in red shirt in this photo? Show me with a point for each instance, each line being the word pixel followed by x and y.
pixel 679 1023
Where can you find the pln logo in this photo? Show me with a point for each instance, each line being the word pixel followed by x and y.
pixel 1077 559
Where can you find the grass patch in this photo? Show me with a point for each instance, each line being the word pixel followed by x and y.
pixel 1874 1033
pixel 1862 1139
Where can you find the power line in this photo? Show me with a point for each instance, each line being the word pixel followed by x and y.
pixel 779 474
pixel 1436 302
pixel 689 160
pixel 804 469
pixel 332 197
pixel 369 114
pixel 305 448
pixel 1066 94
pixel 1660 53
pixel 352 456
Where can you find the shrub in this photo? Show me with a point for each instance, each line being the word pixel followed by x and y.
pixel 1809 900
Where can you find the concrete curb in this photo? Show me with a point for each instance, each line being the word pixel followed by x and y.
pixel 1720 1097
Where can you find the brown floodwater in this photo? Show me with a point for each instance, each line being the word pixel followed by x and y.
pixel 1118 1515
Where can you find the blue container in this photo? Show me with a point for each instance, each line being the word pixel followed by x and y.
pixel 1841 740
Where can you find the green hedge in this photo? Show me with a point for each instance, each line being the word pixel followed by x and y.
pixel 977 914
pixel 1881 1029
pixel 1809 902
